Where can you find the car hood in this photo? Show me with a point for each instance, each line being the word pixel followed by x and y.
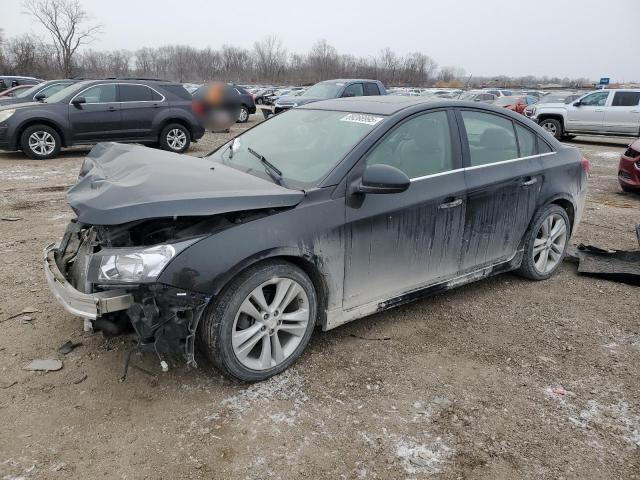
pixel 9 105
pixel 301 100
pixel 120 183
pixel 12 100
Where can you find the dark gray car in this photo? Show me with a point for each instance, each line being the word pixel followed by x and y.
pixel 341 88
pixel 319 216
pixel 38 92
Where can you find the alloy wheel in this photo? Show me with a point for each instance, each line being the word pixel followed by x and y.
pixel 176 139
pixel 549 244
pixel 550 127
pixel 244 114
pixel 42 143
pixel 270 324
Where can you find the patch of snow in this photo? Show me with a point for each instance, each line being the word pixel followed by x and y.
pixel 420 457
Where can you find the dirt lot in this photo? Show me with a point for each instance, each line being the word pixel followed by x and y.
pixel 457 386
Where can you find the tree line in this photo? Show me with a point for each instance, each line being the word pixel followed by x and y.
pixel 69 28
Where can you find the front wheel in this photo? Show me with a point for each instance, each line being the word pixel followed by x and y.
pixel 243 115
pixel 262 322
pixel 545 243
pixel 175 138
pixel 40 142
pixel 553 126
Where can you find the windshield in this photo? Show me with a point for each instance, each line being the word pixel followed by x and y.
pixel 26 92
pixel 324 90
pixel 303 144
pixel 61 94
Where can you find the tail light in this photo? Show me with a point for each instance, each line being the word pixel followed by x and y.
pixel 197 107
pixel 584 163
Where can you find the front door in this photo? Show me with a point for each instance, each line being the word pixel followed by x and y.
pixel 503 181
pixel 98 118
pixel 404 241
pixel 589 115
pixel 139 105
pixel 623 115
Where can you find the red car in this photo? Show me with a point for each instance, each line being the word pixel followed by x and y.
pixel 517 103
pixel 629 168
pixel 11 92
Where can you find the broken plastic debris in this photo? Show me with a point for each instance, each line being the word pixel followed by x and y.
pixel 49 365
pixel 558 391
pixel 68 346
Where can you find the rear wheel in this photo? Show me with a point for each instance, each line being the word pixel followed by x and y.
pixel 545 243
pixel 175 138
pixel 262 322
pixel 40 142
pixel 243 115
pixel 259 101
pixel 553 126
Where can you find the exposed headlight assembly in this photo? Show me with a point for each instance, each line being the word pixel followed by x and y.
pixel 5 114
pixel 133 265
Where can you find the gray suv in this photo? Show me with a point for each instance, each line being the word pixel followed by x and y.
pixel 331 89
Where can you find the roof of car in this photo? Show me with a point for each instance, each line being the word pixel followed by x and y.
pixel 346 80
pixel 375 105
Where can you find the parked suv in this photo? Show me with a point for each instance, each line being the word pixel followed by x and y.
pixel 13 81
pixel 128 110
pixel 331 89
pixel 38 92
pixel 603 112
pixel 324 214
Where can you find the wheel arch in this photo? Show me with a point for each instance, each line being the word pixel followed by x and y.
pixel 305 261
pixel 40 121
pixel 562 201
pixel 181 121
pixel 555 116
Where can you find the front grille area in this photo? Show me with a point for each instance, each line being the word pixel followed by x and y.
pixel 625 175
pixel 631 153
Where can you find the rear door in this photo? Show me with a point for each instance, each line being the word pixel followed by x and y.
pixel 503 179
pixel 139 105
pixel 589 115
pixel 623 116
pixel 404 241
pixel 99 118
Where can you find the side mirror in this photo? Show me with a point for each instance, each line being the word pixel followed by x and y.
pixel 383 179
pixel 78 101
pixel 577 104
pixel 40 97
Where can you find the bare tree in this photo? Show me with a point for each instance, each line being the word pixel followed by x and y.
pixel 64 20
pixel 270 57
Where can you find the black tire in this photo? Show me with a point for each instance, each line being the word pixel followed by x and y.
pixel 528 267
pixel 45 132
pixel 553 126
pixel 259 101
pixel 243 115
pixel 216 328
pixel 629 189
pixel 169 136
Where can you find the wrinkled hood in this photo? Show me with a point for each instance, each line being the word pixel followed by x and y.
pixel 120 183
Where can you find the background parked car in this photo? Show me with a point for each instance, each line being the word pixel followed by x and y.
pixel 339 88
pixel 476 96
pixel 260 94
pixel 38 92
pixel 234 98
pixel 499 92
pixel 555 97
pixel 13 91
pixel 515 103
pixel 8 81
pixel 602 112
pixel 629 168
pixel 127 110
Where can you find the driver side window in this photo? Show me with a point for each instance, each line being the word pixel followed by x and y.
pixel 420 146
pixel 353 90
pixel 598 99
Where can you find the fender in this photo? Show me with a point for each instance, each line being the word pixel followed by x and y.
pixel 169 114
pixel 57 121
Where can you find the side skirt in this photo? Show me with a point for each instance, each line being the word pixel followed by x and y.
pixel 338 317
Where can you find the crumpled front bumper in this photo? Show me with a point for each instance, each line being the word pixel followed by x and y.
pixel 86 305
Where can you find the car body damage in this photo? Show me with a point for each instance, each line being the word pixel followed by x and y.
pixel 163 243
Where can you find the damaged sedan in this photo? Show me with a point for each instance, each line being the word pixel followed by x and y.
pixel 321 215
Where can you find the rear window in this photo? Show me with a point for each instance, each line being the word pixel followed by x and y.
pixel 491 137
pixel 136 93
pixel 178 91
pixel 626 99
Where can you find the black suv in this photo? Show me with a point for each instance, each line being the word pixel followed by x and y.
pixel 123 110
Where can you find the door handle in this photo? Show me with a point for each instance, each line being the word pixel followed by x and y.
pixel 529 181
pixel 451 204
pixel 112 109
pixel 599 110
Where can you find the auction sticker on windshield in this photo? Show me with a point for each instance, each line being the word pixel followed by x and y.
pixel 361 118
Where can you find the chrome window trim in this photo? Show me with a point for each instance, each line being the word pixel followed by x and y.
pixel 116 84
pixel 475 167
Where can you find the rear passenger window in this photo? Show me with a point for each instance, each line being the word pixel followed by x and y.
pixel 135 93
pixel 353 90
pixel 526 141
pixel 626 99
pixel 371 89
pixel 420 146
pixel 491 137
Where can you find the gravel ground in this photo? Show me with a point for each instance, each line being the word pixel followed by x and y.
pixel 501 379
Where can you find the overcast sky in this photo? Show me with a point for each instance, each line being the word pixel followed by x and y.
pixel 572 38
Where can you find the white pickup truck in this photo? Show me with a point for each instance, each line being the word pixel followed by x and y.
pixel 602 112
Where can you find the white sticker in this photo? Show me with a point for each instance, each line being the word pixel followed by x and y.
pixel 361 118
